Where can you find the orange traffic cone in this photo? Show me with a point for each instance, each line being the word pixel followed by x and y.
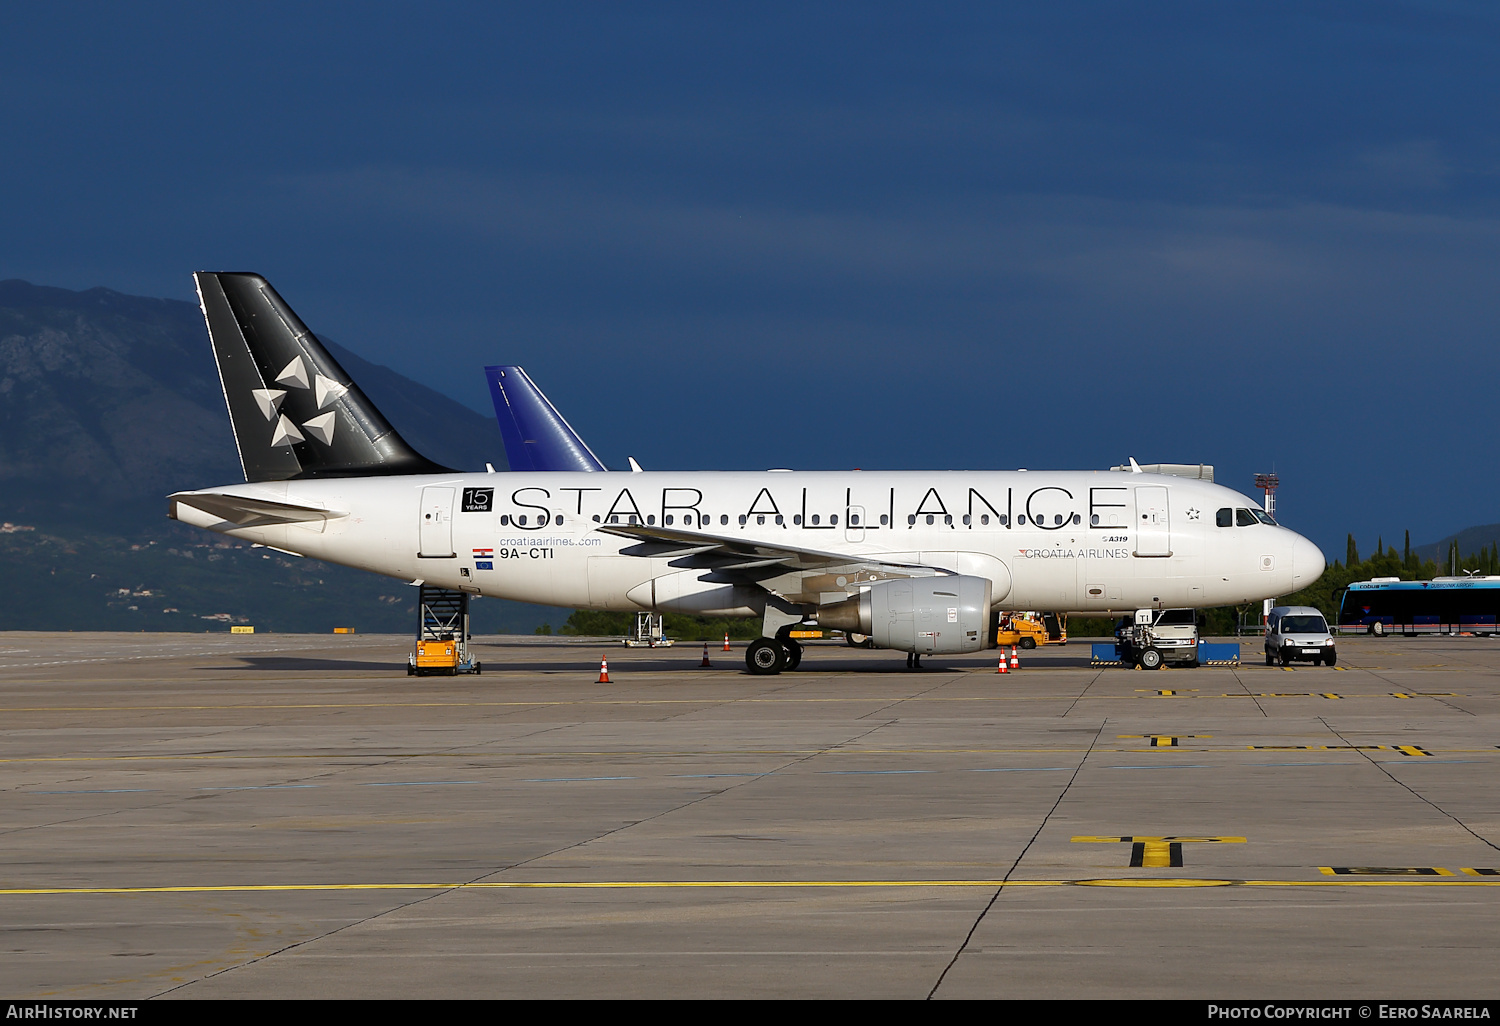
pixel 726 641
pixel 705 657
pixel 1004 663
pixel 603 671
pixel 1015 660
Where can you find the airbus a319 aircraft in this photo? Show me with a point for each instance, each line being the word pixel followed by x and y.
pixel 917 560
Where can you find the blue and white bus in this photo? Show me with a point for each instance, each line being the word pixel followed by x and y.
pixel 1444 605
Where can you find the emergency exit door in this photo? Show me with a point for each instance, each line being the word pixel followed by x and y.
pixel 1153 536
pixel 436 524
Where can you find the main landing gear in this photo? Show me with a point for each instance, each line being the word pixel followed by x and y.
pixel 767 656
pixel 914 660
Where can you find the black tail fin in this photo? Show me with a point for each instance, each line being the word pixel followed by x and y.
pixel 294 410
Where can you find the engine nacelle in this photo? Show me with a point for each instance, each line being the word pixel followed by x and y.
pixel 917 614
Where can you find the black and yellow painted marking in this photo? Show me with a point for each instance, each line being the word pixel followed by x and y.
pixel 1384 871
pixel 1157 852
pixel 1162 740
pixel 1481 872
pixel 1415 750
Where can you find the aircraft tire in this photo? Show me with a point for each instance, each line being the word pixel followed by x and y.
pixel 793 654
pixel 764 657
pixel 1150 659
pixel 1027 644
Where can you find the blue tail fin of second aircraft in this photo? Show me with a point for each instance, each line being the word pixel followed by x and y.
pixel 536 435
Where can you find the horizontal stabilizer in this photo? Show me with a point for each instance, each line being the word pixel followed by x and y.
pixel 247 511
pixel 537 437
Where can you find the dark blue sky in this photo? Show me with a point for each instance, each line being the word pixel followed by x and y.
pixel 1043 235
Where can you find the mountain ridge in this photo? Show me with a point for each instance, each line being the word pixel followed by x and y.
pixel 109 403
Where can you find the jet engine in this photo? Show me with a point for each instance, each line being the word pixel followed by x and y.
pixel 917 614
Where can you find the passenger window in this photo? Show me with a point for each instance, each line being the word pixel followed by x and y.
pixel 853 519
pixel 1244 518
pixel 884 519
pixel 984 519
pixel 816 520
pixel 1225 517
pixel 667 520
pixel 833 519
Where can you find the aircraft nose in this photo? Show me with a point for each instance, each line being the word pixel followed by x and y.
pixel 1307 562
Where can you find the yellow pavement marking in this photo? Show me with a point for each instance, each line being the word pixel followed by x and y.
pixel 554 885
pixel 1126 882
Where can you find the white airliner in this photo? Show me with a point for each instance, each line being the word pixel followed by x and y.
pixel 915 559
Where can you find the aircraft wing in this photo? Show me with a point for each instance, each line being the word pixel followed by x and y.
pixel 738 556
pixel 247 511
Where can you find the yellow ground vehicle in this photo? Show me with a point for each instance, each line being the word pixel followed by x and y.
pixel 435 657
pixel 1029 629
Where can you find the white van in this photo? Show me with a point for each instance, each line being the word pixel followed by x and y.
pixel 1298 632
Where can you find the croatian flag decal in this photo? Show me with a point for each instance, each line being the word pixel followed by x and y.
pixel 484 559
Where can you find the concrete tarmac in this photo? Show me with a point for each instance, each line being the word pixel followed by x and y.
pixel 292 816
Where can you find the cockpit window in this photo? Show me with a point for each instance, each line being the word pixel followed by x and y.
pixel 1263 517
pixel 1244 518
pixel 1225 517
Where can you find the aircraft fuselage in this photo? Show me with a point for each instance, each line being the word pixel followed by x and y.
pixel 1079 541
